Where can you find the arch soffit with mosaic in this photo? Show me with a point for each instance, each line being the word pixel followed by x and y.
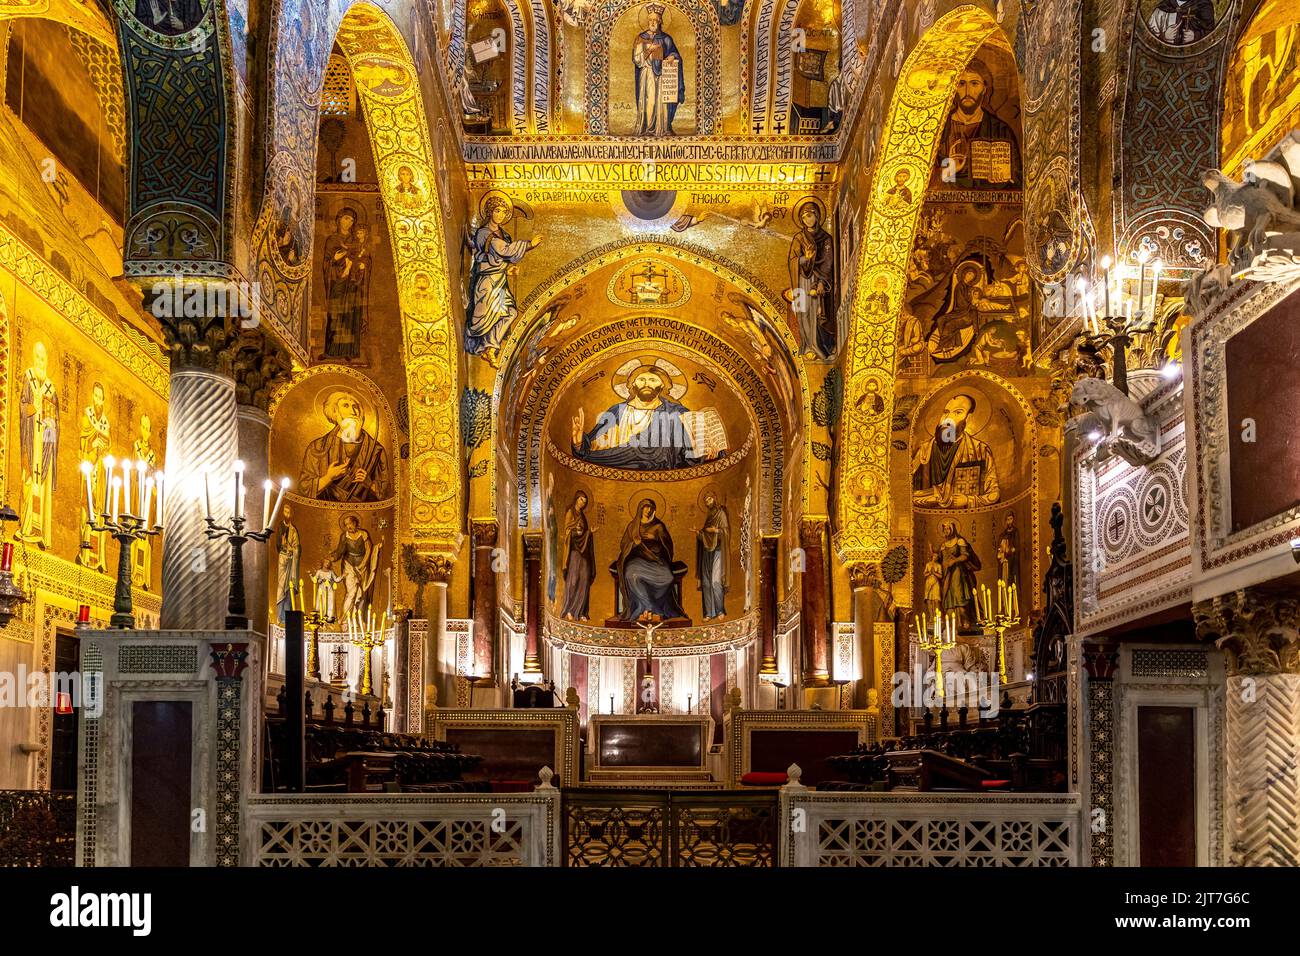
pixel 909 141
pixel 539 301
pixel 673 336
pixel 396 119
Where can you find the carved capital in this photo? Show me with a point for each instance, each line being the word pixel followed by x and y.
pixel 533 546
pixel 424 567
pixel 259 367
pixel 483 534
pixel 200 342
pixel 1258 632
pixel 860 575
pixel 812 532
pixel 1101 660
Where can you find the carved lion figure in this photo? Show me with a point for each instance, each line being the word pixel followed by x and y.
pixel 1127 428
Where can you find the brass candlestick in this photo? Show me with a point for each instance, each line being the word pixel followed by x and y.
pixel 362 632
pixel 939 638
pixel 314 621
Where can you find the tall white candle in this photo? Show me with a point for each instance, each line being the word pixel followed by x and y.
pixel 1105 271
pixel 147 495
pixel 239 489
pixel 117 490
pixel 142 467
pixel 109 462
pixel 275 511
pixel 126 485
pixel 86 470
pixel 266 503
pixel 207 495
pixel 159 479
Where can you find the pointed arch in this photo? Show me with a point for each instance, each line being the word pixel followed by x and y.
pixel 538 308
pixel 908 147
pixel 393 106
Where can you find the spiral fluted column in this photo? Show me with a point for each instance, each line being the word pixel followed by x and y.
pixel 202 432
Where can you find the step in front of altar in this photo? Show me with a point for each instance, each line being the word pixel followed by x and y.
pixel 654 780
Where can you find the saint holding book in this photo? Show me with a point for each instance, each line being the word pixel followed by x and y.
pixel 659 85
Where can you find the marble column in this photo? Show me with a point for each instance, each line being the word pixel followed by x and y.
pixel 439 675
pixel 258 368
pixel 864 634
pixel 768 606
pixel 486 582
pixel 1100 661
pixel 1259 634
pixel 202 435
pixel 813 620
pixel 533 603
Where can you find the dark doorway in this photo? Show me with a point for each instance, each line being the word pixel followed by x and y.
pixel 63 735
pixel 1167 785
pixel 161 799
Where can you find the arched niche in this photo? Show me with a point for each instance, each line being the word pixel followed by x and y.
pixel 611 84
pixel 993 506
pixel 700 476
pixel 311 425
pixel 748 323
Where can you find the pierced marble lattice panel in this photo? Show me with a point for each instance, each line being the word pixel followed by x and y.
pixel 945 842
pixel 1167 664
pixel 157 659
pixel 617 836
pixel 440 843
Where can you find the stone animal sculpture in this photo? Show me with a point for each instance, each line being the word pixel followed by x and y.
pixel 1126 429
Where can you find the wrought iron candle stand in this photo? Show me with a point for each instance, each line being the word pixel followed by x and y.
pixel 236 532
pixel 1000 618
pixel 1114 331
pixel 118 520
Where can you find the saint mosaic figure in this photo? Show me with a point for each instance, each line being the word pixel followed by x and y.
pixel 712 555
pixel 646 431
pixel 492 306
pixel 1009 551
pixel 94 444
pixel 346 267
pixel 579 561
pixel 813 291
pixel 957 587
pixel 647 579
pixel 288 558
pixel 978 148
pixel 358 560
pixel 1179 22
pixel 954 469
pixel 38 435
pixel 347 463
pixel 660 87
